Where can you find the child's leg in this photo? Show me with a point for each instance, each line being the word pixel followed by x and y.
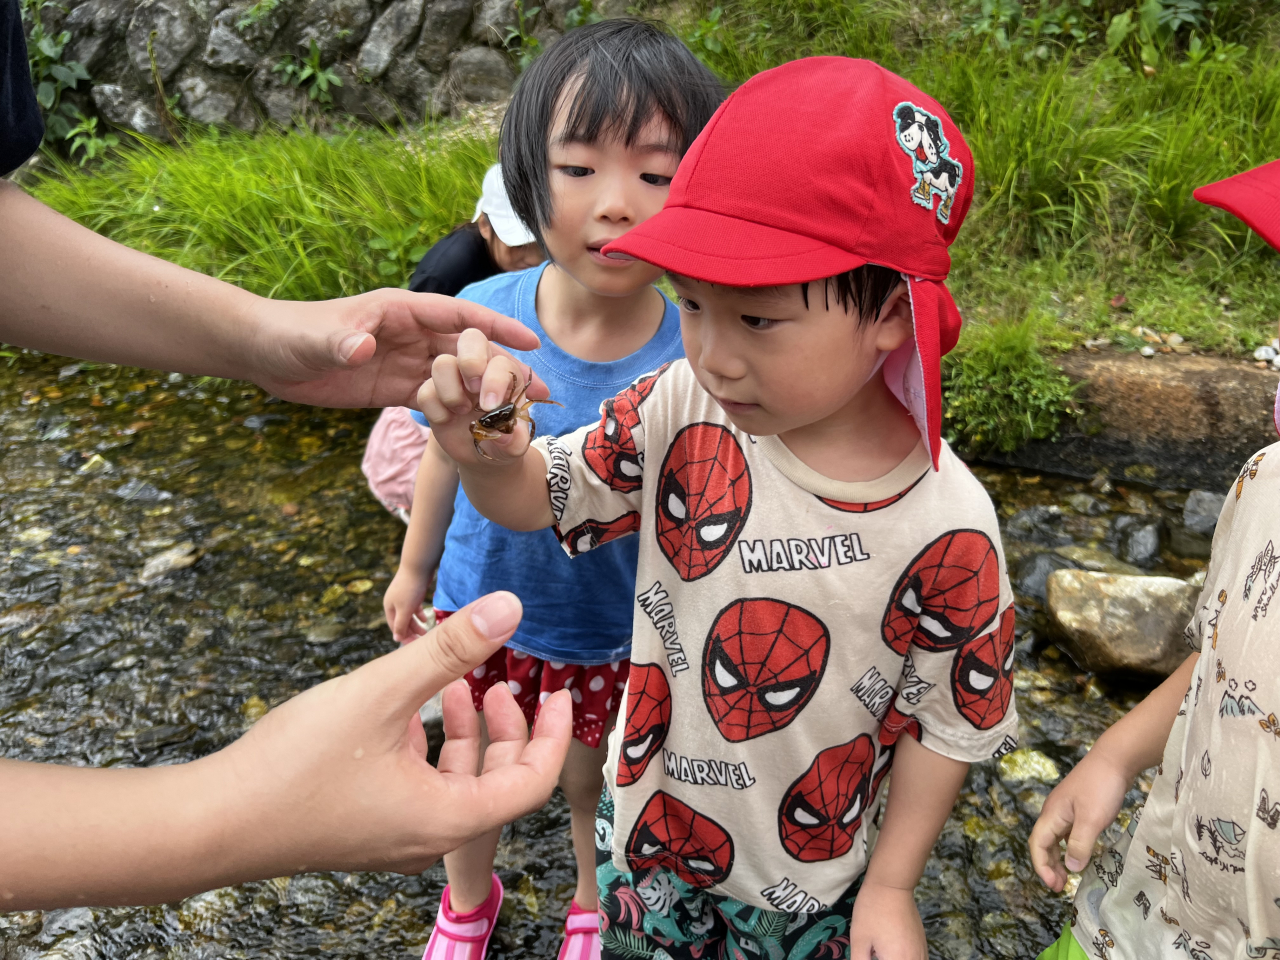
pixel 470 867
pixel 581 781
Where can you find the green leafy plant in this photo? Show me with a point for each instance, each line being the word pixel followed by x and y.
pixel 999 390
pixel 50 74
pixel 257 13
pixel 397 249
pixel 86 141
pixel 708 32
pixel 581 15
pixel 520 39
pixel 310 75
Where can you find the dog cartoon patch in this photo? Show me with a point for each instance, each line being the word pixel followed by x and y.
pixel 937 174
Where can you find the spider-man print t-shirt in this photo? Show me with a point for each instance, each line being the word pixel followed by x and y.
pixel 573 612
pixel 788 629
pixel 1194 873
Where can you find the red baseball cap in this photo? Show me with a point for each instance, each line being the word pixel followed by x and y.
pixel 1253 196
pixel 816 167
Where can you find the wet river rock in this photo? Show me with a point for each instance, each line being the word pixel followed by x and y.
pixel 1118 623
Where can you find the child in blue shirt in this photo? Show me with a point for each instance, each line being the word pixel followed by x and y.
pixel 593 136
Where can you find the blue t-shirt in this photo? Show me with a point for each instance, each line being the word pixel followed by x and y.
pixel 575 611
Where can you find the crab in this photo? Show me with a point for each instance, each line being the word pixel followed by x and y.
pixel 500 422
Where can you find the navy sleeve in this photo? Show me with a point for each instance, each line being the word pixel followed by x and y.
pixel 460 259
pixel 21 127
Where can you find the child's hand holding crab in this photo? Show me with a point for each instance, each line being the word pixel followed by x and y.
pixel 480 396
pixel 478 405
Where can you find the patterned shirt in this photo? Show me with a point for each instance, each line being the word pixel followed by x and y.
pixel 788 628
pixel 1198 872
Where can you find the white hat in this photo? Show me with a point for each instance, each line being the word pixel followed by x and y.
pixel 496 205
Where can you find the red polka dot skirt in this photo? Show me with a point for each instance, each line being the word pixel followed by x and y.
pixel 597 691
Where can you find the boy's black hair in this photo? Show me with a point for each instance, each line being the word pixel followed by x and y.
pixel 625 71
pixel 865 288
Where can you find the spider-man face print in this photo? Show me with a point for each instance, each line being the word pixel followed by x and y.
pixel 589 534
pixel 610 449
pixel 761 664
pixel 947 594
pixel 671 834
pixel 648 719
pixel 823 809
pixel 704 496
pixel 982 675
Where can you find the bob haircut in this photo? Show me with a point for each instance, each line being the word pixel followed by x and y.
pixel 623 72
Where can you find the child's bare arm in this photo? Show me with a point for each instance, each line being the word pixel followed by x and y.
pixel 504 484
pixel 922 791
pixel 433 493
pixel 1087 801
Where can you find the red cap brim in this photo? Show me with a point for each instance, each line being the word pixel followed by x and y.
pixel 1252 196
pixel 726 250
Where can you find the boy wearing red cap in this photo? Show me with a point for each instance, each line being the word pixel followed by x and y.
pixel 818 573
pixel 1198 873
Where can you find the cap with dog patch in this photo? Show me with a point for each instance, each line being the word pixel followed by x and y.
pixel 816 167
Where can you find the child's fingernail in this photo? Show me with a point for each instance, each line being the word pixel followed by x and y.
pixel 473 385
pixel 497 615
pixel 1074 865
pixel 489 401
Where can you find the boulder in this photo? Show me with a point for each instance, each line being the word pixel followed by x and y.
pixel 94 26
pixel 390 34
pixel 209 98
pixel 493 20
pixel 281 102
pixel 1115 623
pixel 1038 524
pixel 1200 514
pixel 481 75
pixel 128 110
pixel 260 25
pixel 410 83
pixel 1138 539
pixel 442 26
pixel 1032 572
pixel 225 49
pixel 1171 421
pixel 177 28
pixel 335 25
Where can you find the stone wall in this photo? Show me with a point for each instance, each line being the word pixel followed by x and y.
pixel 403 59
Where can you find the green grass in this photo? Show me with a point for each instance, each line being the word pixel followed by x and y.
pixel 295 216
pixel 1085 165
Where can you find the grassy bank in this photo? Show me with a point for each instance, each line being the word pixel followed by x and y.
pixel 1088 141
pixel 289 215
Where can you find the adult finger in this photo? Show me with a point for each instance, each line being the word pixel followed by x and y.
pixel 514 789
pixel 461 750
pixel 493 325
pixel 508 732
pixel 413 674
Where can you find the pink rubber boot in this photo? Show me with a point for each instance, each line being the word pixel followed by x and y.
pixel 581 935
pixel 465 936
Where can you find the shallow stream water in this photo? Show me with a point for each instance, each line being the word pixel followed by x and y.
pixel 287 555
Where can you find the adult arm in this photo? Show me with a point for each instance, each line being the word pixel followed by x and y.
pixel 334 779
pixel 1087 801
pixel 922 791
pixel 66 290
pixel 433 496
